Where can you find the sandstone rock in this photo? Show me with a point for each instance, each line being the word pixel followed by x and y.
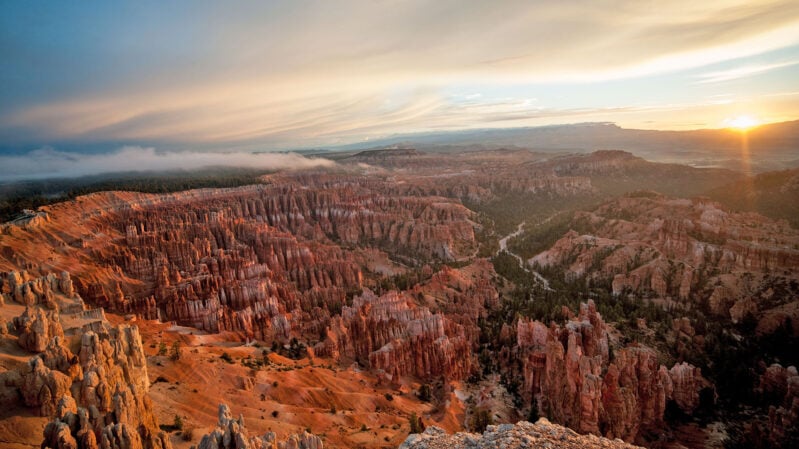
pixel 57 356
pixel 677 248
pixel 542 434
pixel 562 367
pixel 742 308
pixel 230 433
pixel 304 440
pixel 774 381
pixel 23 288
pixel 687 384
pixel 682 326
pixel 245 383
pixel 10 383
pixel 120 436
pixel 57 435
pixel 392 334
pixel 37 327
pixel 259 260
pixel 464 295
pixel 75 428
pixel 635 392
pixel 42 387
pixel 97 398
pixel 568 372
pixel 781 385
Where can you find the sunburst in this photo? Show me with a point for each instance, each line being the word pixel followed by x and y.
pixel 742 123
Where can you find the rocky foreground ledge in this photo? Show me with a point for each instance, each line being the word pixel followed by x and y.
pixel 542 434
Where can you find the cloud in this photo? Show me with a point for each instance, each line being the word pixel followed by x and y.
pixel 316 72
pixel 742 72
pixel 51 163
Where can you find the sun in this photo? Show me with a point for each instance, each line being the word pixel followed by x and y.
pixel 741 122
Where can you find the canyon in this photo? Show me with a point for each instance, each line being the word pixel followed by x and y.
pixel 685 252
pixel 330 306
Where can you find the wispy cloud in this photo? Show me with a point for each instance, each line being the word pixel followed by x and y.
pixel 315 72
pixel 742 72
pixel 49 163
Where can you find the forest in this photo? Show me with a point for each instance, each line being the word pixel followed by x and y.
pixel 16 196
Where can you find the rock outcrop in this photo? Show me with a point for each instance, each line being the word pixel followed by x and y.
pixel 463 295
pixel 392 334
pixel 542 434
pixel 681 250
pixel 36 327
pixel 781 385
pixel 267 261
pixel 110 385
pixel 77 428
pixel 22 288
pixel 98 397
pixel 569 374
pixel 230 433
pixel 42 387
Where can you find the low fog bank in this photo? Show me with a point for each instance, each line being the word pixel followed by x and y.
pixel 49 163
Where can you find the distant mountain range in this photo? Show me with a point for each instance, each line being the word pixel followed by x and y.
pixel 770 147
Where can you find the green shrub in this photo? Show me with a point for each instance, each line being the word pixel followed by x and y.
pixel 417 426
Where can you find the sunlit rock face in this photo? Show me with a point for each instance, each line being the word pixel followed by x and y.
pixel 390 333
pixel 231 433
pixel 112 397
pixel 37 327
pixel 97 397
pixel 28 289
pixel 270 262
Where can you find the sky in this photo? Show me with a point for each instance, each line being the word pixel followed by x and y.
pixel 95 77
